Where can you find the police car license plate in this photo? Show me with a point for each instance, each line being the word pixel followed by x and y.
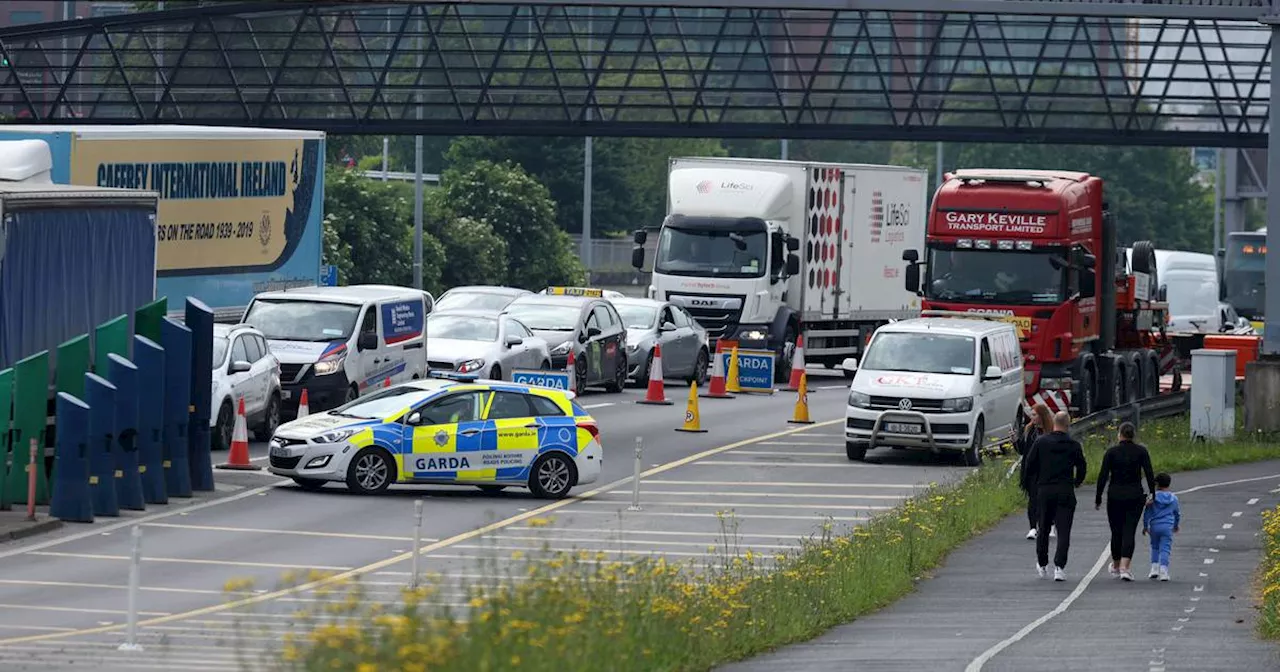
pixel 279 451
pixel 902 428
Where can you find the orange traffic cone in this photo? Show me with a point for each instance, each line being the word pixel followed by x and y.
pixel 656 394
pixel 571 367
pixel 802 403
pixel 797 365
pixel 717 387
pixel 304 409
pixel 238 457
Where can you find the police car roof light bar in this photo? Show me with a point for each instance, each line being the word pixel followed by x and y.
pixel 454 375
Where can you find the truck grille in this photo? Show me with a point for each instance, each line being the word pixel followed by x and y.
pixel 285 462
pixel 719 322
pixel 891 403
pixel 290 373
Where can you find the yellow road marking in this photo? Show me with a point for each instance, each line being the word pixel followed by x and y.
pixel 187 561
pixel 429 548
pixel 302 533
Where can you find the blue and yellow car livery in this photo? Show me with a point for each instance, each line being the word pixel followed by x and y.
pixel 490 434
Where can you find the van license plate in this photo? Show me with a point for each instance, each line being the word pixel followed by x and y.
pixel 902 428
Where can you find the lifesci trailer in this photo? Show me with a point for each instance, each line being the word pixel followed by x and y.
pixel 240 211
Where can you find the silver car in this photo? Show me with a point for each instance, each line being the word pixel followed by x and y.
pixel 487 343
pixel 479 297
pixel 685 351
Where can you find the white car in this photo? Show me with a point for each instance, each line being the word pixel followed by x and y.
pixel 484 343
pixel 479 297
pixel 243 367
pixel 944 385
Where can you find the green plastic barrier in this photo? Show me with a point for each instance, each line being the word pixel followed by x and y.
pixel 70 365
pixel 6 403
pixel 30 412
pixel 110 338
pixel 146 320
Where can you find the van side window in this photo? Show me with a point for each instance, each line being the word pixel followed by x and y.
pixel 370 324
pixel 986 356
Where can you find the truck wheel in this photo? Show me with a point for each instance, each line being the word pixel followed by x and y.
pixel 1084 400
pixel 973 455
pixel 782 372
pixel 1144 260
pixel 856 452
pixel 1118 377
pixel 1150 375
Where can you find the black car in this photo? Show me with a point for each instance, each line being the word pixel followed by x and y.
pixel 590 327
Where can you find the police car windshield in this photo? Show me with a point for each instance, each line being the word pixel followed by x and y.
pixel 636 317
pixel 546 317
pixel 920 353
pixel 473 301
pixel 384 403
pixel 292 320
pixel 220 345
pixel 462 328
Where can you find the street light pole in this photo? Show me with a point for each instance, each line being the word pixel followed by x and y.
pixel 588 151
pixel 417 166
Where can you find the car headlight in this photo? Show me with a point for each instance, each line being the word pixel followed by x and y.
pixel 318 462
pixel 562 349
pixel 335 436
pixel 958 405
pixel 753 335
pixel 859 399
pixel 471 365
pixel 326 367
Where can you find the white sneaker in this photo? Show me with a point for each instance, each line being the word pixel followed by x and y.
pixel 1155 571
pixel 1042 571
pixel 1059 574
pixel 1032 533
pixel 1113 571
pixel 1126 575
pixel 1164 573
pixel 1053 532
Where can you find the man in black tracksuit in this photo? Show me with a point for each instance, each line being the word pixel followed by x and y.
pixel 1053 469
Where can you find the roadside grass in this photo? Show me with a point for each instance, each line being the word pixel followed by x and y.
pixel 1269 576
pixel 587 610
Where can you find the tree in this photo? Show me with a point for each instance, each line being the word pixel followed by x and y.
pixel 369 233
pixel 521 212
pixel 475 255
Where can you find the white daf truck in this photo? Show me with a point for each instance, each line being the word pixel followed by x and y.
pixel 761 251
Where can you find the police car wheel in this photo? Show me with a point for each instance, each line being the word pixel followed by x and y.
pixel 552 476
pixel 370 472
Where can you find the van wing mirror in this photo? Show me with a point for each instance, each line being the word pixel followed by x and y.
pixel 993 372
pixel 368 341
pixel 239 366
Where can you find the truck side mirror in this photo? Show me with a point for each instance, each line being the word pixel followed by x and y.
pixel 1088 284
pixel 793 264
pixel 637 255
pixel 1088 261
pixel 910 256
pixel 793 244
pixel 912 276
pixel 1221 253
pixel 1162 294
pixel 640 236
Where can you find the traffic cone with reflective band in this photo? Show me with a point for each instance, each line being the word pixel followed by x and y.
pixel 571 367
pixel 731 381
pixel 238 457
pixel 797 365
pixel 692 419
pixel 802 403
pixel 656 394
pixel 304 409
pixel 716 390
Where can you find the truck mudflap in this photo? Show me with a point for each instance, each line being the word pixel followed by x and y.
pixel 1054 400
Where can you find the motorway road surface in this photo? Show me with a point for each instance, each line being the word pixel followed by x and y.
pixel 63 596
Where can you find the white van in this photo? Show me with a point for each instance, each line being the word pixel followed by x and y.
pixel 940 384
pixel 1190 283
pixel 337 342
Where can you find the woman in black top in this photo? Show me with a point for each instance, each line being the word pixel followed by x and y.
pixel 1041 422
pixel 1124 466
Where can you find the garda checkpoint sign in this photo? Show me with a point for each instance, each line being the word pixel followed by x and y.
pixel 755 369
pixel 556 380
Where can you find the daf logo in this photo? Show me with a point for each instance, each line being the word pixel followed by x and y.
pixel 706 303
pixel 904 405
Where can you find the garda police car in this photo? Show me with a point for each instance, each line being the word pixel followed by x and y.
pixel 447 431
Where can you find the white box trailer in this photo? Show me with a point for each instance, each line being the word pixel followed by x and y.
pixel 761 251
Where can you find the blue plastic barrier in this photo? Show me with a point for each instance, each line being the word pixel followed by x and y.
pixel 101 396
pixel 176 340
pixel 124 375
pixel 199 319
pixel 151 400
pixel 72 499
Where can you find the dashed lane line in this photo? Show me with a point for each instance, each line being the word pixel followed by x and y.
pixel 301 533
pixel 110 586
pixel 761 463
pixel 399 558
pixel 726 506
pixel 622 513
pixel 794 484
pixel 802 495
pixel 80 610
pixel 187 561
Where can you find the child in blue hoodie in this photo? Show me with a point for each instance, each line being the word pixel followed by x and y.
pixel 1161 520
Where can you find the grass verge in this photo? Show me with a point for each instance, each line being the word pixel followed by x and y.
pixel 560 611
pixel 1269 606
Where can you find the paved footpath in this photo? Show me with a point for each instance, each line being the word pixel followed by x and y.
pixel 986 610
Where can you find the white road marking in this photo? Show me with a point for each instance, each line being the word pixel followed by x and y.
pixel 1208 561
pixel 1237 514
pixel 1220 537
pixel 600 541
pixel 1195 599
pixel 607 403
pixel 1213 550
pixel 1188 610
pixel 725 506
pixel 188 561
pixel 831 444
pixel 717 514
pixel 80 610
pixel 1176 628
pixel 750 463
pixel 781 484
pixel 1252 501
pixel 109 586
pixel 303 533
pixel 599 530
pixel 1183 620
pixel 45 628
pixel 717 493
pixel 1227 526
pixel 534 549
pixel 776 453
pixel 1103 559
pixel 1203 575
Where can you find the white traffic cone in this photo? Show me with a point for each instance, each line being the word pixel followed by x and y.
pixel 303 409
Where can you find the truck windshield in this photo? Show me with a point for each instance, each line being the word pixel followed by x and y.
pixel 920 353
pixel 292 320
pixel 1246 253
pixel 994 276
pixel 711 251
